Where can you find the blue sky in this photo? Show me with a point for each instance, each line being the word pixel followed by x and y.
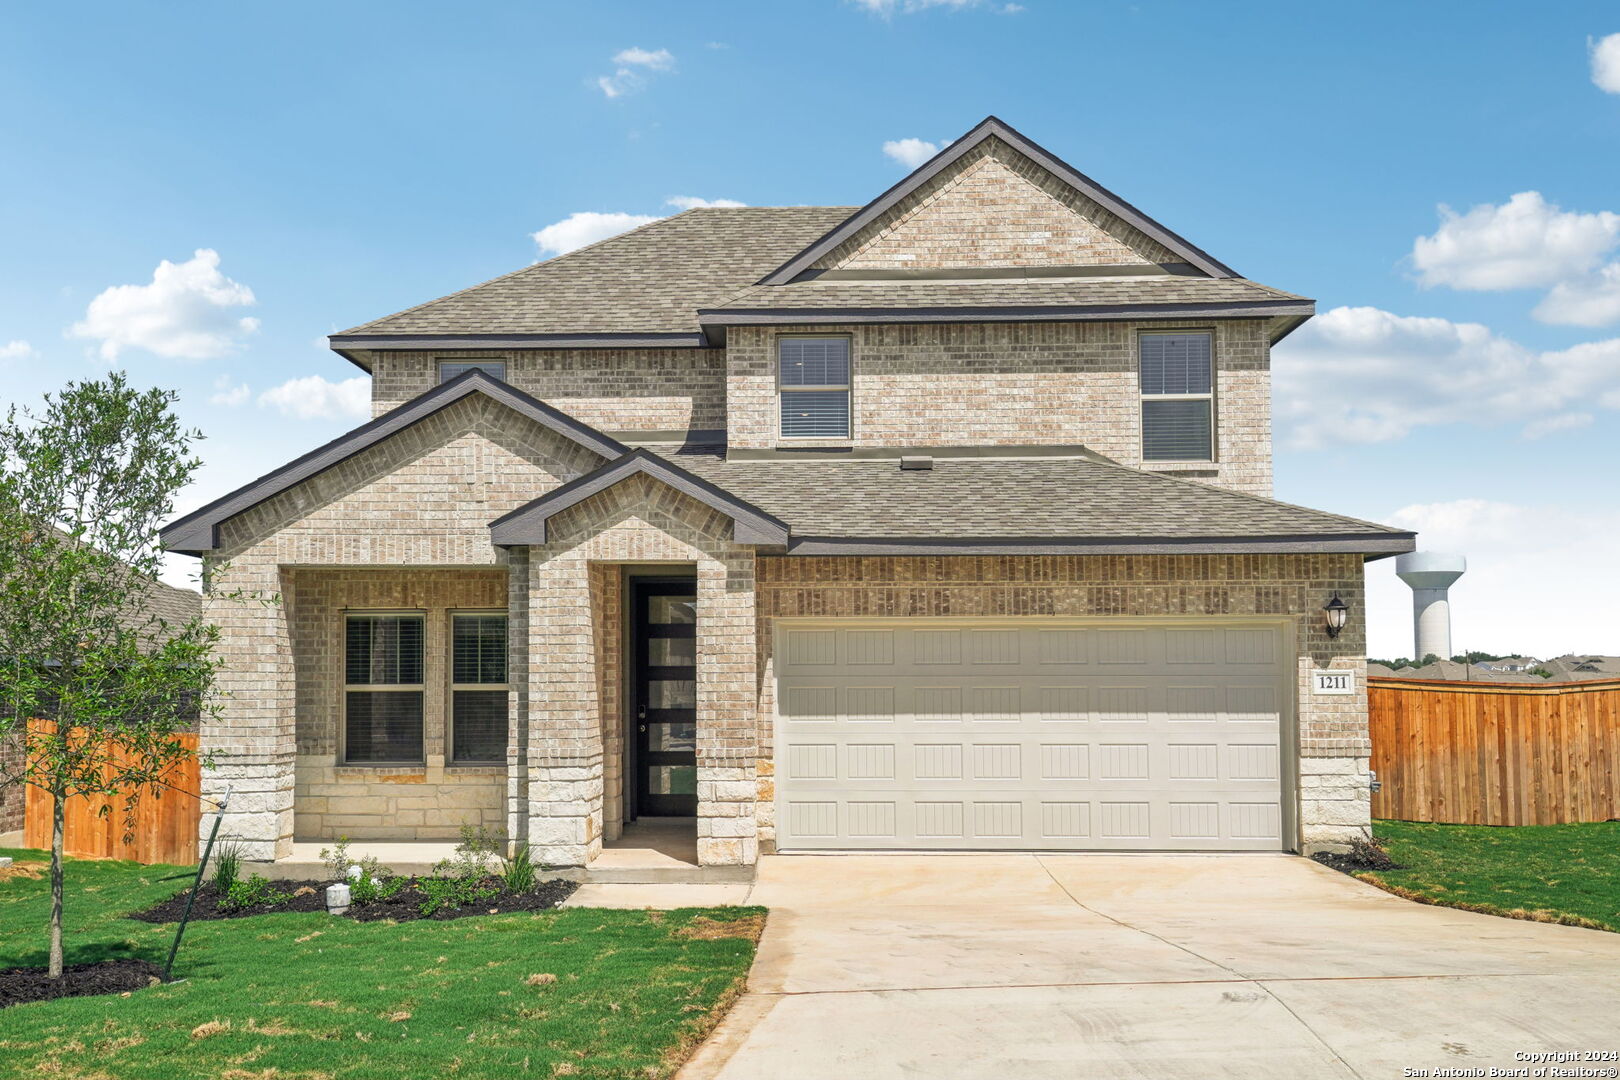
pixel 346 161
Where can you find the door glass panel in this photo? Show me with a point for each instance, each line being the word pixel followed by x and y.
pixel 672 694
pixel 665 737
pixel 672 780
pixel 671 609
pixel 672 651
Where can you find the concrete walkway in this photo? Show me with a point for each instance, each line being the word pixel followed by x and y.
pixel 1189 967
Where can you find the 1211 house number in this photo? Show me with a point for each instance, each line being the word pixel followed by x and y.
pixel 1324 681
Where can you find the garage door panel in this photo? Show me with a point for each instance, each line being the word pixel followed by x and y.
pixel 1040 737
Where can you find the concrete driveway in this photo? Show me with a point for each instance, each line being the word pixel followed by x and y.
pixel 1002 967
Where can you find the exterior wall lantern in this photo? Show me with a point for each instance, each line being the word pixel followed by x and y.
pixel 1335 612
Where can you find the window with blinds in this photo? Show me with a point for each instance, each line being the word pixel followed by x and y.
pixel 813 384
pixel 1178 401
pixel 478 686
pixel 382 692
pixel 449 369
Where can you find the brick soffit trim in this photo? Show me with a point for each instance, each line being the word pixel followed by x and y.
pixel 198 532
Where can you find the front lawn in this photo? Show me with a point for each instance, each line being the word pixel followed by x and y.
pixel 580 992
pixel 1549 873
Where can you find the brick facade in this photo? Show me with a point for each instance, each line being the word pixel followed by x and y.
pixel 610 389
pixel 1014 176
pixel 430 802
pixel 1015 384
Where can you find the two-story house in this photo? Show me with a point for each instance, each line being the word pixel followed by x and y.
pixel 937 523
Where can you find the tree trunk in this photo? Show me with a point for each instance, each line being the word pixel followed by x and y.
pixel 58 814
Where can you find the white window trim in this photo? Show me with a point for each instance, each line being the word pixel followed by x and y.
pixel 848 388
pixel 1214 428
pixel 378 688
pixel 450 760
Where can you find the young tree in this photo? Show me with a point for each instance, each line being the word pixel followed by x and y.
pixel 85 483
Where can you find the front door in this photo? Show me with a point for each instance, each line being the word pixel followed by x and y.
pixel 665 627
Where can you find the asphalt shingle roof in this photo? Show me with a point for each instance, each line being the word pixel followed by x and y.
pixel 655 280
pixel 1024 499
pixel 649 280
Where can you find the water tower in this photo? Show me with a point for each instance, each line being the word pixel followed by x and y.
pixel 1430 574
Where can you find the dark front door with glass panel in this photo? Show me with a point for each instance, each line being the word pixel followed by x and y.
pixel 666 698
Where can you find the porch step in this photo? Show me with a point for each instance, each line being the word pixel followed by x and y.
pixel 656 875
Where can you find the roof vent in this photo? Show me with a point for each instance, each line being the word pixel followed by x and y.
pixel 912 462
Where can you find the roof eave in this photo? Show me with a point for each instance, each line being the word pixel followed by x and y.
pixel 1256 309
pixel 1373 545
pixel 430 342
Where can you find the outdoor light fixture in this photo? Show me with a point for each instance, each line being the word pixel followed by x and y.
pixel 1335 611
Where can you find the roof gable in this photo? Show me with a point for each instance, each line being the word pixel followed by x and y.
pixel 527 524
pixel 198 531
pixel 1047 212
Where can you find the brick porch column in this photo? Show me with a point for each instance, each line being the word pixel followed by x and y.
pixel 252 739
pixel 727 742
pixel 565 735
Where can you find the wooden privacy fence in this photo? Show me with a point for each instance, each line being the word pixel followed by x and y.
pixel 165 827
pixel 1495 753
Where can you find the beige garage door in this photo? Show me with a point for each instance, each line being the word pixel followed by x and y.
pixel 1031 736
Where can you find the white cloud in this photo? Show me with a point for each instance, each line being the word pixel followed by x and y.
pixel 17 350
pixel 1510 599
pixel 632 66
pixel 313 397
pixel 586 227
pixel 1590 300
pixel 1552 425
pixel 1363 375
pixel 187 313
pixel 229 392
pixel 1606 63
pixel 910 152
pixel 692 202
pixel 1526 242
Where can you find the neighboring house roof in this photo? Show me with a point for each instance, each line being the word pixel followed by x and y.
pixel 679 281
pixel 198 531
pixel 174 605
pixel 985 505
pixel 1452 671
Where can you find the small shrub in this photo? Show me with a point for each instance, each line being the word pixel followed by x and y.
pixel 338 861
pixel 473 857
pixel 227 866
pixel 445 893
pixel 1370 855
pixel 254 892
pixel 517 872
pixel 369 890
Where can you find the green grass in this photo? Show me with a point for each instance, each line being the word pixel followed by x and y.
pixel 313 996
pixel 1549 873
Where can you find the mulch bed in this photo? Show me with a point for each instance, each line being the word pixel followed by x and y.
pixel 18 986
pixel 403 907
pixel 1354 862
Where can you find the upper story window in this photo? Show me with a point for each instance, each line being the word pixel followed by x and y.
pixel 813 384
pixel 1178 402
pixel 449 369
